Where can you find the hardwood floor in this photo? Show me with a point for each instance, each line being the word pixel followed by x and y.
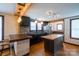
pixel 67 50
pixel 38 50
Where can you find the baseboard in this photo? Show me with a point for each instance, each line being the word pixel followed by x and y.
pixel 71 43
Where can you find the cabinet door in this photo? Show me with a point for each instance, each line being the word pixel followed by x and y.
pixel 22 47
pixel 49 45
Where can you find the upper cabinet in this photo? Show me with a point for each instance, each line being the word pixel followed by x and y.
pixel 25 21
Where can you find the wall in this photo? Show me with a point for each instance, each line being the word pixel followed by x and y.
pixel 67 31
pixel 10 25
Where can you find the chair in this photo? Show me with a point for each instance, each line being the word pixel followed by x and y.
pixel 3 44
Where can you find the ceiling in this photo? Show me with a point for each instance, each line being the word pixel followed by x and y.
pixel 39 10
pixel 14 8
pixel 8 8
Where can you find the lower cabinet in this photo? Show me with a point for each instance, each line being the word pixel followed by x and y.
pixel 53 45
pixel 22 47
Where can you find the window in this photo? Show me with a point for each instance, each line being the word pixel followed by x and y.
pixel 51 26
pixel 35 26
pixel 32 26
pixel 39 26
pixel 59 27
pixel 74 28
pixel 1 28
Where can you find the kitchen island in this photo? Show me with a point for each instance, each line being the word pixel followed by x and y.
pixel 53 42
pixel 21 43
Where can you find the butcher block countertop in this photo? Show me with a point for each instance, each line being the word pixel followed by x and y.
pixel 52 36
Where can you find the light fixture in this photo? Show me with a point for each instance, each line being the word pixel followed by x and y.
pixel 41 22
pixel 52 15
pixel 19 20
pixel 35 21
pixel 49 12
pixel 41 19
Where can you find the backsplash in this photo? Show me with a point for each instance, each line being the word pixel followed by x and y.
pixel 24 30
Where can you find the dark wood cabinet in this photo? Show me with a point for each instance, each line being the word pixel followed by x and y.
pixel 36 36
pixel 53 43
pixel 25 21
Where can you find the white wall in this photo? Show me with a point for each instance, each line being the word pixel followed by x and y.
pixel 10 25
pixel 67 32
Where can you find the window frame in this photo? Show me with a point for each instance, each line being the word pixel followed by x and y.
pixel 71 28
pixel 2 26
pixel 36 27
pixel 30 26
pixel 57 27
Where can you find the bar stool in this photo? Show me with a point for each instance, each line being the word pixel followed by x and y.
pixel 4 43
